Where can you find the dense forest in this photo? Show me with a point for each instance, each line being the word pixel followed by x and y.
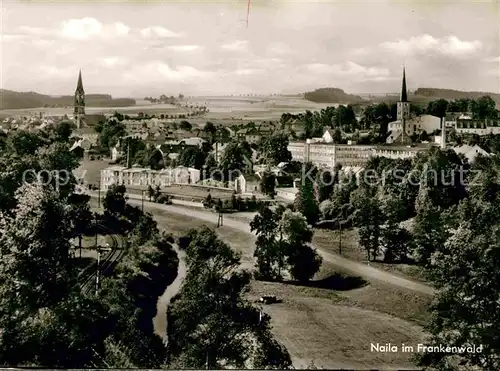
pixel 331 95
pixel 13 100
pixel 454 94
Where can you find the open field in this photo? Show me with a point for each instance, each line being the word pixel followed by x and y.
pixel 328 240
pixel 331 325
pixel 226 109
pixel 61 111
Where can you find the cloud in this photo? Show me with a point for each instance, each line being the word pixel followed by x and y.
pixel 158 32
pixel 348 69
pixel 85 28
pixel 112 61
pixel 450 45
pixel 248 71
pixel 155 71
pixel 237 46
pixel 42 43
pixel 184 48
pixel 279 48
pixel 50 72
pixel 492 59
pixel 12 38
pixel 37 31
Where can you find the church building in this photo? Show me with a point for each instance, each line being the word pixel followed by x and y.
pixel 407 125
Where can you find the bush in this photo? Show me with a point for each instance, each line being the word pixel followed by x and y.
pixel 164 199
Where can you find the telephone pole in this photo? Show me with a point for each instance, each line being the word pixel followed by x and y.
pixel 100 249
pixel 341 214
pixel 142 200
pixel 98 270
pixel 220 220
pixel 99 195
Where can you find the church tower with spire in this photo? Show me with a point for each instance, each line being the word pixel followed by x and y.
pixel 79 110
pixel 403 110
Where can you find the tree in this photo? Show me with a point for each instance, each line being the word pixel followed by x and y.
pixel 465 309
pixel 274 149
pixel 26 143
pixel 211 130
pixel 268 184
pixel 325 182
pixel 185 125
pixel 484 108
pixel 437 108
pixel 345 119
pixel 111 131
pixel 192 157
pixel 303 260
pixel 63 131
pixel 38 293
pixel 211 324
pixel 236 156
pixel 267 248
pixel 429 232
pixel 305 202
pixel 115 201
pixel 368 219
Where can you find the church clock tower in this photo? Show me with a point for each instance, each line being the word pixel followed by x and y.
pixel 79 110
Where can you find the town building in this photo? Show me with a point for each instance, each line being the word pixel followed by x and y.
pixel 79 108
pixel 81 147
pixel 140 178
pixel 479 127
pixel 322 152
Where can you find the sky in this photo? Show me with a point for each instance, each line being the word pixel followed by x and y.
pixel 146 48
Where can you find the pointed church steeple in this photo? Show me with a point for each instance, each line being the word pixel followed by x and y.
pixel 79 85
pixel 404 97
pixel 79 108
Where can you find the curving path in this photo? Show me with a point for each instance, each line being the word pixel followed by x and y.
pixel 160 320
pixel 334 259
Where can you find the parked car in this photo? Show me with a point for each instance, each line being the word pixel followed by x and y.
pixel 269 299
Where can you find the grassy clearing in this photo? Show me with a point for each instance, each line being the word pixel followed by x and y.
pixel 328 240
pixel 328 325
pixel 333 328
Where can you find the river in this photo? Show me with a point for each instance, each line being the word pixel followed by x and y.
pixel 160 320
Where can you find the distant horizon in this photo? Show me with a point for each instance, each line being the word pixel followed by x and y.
pixel 135 49
pixel 410 92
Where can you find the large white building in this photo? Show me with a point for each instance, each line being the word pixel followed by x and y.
pixel 138 177
pixel 328 155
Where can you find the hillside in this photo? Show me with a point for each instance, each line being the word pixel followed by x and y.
pixel 331 95
pixel 13 100
pixel 450 94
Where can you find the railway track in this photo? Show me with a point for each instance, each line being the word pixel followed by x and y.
pixel 87 280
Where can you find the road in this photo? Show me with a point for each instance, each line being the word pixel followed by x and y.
pixel 359 269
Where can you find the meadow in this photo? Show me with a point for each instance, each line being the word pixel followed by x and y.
pixel 220 108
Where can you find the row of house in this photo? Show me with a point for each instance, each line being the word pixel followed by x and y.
pixel 255 134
